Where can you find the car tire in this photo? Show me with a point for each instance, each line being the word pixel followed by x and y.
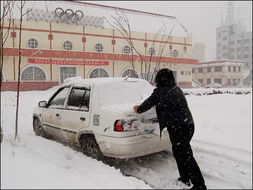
pixel 38 128
pixel 90 147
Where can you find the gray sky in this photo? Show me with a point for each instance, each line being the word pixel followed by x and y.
pixel 199 17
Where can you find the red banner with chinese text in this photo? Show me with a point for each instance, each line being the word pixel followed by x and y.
pixel 63 62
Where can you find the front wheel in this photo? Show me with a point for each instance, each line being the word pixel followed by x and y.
pixel 38 129
pixel 90 147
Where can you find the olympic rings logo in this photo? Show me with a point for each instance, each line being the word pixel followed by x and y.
pixel 69 14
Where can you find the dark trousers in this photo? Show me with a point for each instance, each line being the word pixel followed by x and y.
pixel 188 168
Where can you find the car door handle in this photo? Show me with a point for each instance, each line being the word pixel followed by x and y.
pixel 57 115
pixel 82 118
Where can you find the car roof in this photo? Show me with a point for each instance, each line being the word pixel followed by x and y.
pixel 78 81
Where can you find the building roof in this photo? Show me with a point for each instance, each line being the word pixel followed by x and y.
pixel 223 61
pixel 219 63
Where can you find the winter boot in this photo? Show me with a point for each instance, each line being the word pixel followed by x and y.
pixel 203 187
pixel 185 181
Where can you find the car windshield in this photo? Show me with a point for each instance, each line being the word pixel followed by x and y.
pixel 124 92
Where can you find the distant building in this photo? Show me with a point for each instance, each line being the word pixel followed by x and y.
pixel 54 49
pixel 225 73
pixel 198 51
pixel 233 42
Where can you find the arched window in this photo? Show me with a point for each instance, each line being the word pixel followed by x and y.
pixel 99 72
pixel 33 73
pixel 32 43
pixel 130 73
pixel 152 51
pixel 99 47
pixel 67 45
pixel 126 49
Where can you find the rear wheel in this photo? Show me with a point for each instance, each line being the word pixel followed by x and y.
pixel 38 129
pixel 90 147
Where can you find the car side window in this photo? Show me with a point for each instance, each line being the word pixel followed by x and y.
pixel 59 98
pixel 79 98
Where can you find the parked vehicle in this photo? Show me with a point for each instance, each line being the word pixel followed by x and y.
pixel 97 115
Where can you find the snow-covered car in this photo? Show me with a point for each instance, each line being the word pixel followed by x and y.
pixel 97 115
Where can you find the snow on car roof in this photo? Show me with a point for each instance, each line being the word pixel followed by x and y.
pixel 78 81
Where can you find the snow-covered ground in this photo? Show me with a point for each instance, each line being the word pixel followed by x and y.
pixel 222 146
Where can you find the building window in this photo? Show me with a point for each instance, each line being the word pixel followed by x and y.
pixel 99 47
pixel 246 56
pixel 182 72
pixel 130 73
pixel 126 49
pixel 224 55
pixel 219 44
pixel 229 83
pixel 234 82
pixel 218 68
pixel 200 70
pixel 151 51
pixel 209 69
pixel 246 48
pixel 246 41
pixel 200 81
pixel 238 81
pixel 224 47
pixel 208 81
pixel 175 53
pixel 32 43
pixel 67 45
pixel 239 41
pixel 224 38
pixel 33 73
pixel 99 72
pixel 234 68
pixel 239 69
pixel 232 42
pixel 66 72
pixel 229 68
pixel 218 80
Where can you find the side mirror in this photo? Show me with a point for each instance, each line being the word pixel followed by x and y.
pixel 42 104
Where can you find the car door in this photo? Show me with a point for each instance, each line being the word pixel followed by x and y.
pixel 52 114
pixel 76 113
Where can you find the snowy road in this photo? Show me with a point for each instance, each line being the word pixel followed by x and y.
pixel 222 146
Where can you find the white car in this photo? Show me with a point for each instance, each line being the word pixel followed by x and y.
pixel 97 115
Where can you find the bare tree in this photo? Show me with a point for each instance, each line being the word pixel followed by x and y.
pixel 122 25
pixel 22 14
pixel 6 8
pixel 6 13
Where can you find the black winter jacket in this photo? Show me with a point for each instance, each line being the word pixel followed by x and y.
pixel 171 107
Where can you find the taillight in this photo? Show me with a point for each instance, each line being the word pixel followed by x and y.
pixel 118 126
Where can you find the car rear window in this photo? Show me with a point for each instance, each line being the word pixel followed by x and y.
pixel 124 92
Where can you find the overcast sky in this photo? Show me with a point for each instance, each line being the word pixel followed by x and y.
pixel 199 17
